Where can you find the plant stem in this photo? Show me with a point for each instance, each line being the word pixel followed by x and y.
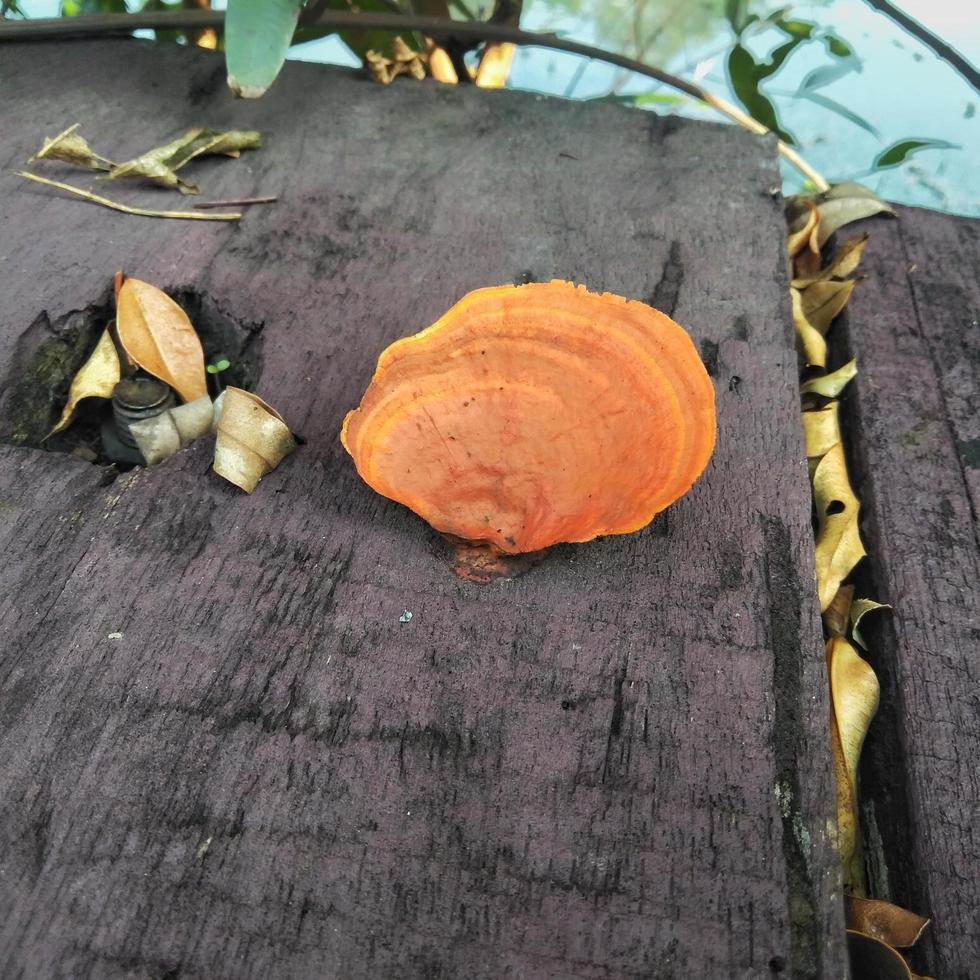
pixel 125 208
pixel 430 26
pixel 237 202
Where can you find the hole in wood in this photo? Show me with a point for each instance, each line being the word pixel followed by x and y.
pixel 53 348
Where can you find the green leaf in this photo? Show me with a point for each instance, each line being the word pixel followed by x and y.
pixel 257 36
pixel 735 11
pixel 899 152
pixel 745 74
pixel 841 110
pixel 802 29
pixel 827 74
pixel 837 46
pixel 218 367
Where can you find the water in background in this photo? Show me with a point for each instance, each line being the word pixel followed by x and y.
pixel 842 111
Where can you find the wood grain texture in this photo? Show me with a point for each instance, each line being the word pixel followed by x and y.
pixel 915 439
pixel 615 766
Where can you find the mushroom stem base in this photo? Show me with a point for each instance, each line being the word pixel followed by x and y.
pixel 481 562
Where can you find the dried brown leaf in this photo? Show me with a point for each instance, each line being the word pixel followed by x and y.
pixel 871 959
pixel 843 263
pixel 839 547
pixel 159 437
pixel 252 439
pixel 854 696
pixel 95 379
pixel 831 385
pixel 160 338
pixel 823 301
pixel 884 921
pixel 801 237
pixel 858 611
pixel 70 147
pixel 403 61
pixel 809 341
pixel 822 430
pixel 161 164
pixel 836 616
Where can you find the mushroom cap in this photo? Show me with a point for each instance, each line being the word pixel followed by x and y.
pixel 531 415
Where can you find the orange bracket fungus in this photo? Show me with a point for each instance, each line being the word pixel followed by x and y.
pixel 532 415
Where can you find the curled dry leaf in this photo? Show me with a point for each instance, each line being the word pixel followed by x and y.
pixel 253 439
pixel 159 337
pixel 70 147
pixel 95 379
pixel 854 699
pixel 888 923
pixel 871 959
pixel 843 263
pixel 158 438
pixel 822 430
pixel 839 547
pixel 161 164
pixel 823 301
pixel 831 385
pixel 858 611
pixel 800 238
pixel 403 61
pixel 836 616
pixel 809 341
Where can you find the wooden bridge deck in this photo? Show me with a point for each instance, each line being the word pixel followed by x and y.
pixel 225 756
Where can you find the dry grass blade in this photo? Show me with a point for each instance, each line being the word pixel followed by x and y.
pixel 125 208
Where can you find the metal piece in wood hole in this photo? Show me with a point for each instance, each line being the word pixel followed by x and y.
pixel 134 399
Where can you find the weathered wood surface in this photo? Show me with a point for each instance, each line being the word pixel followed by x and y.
pixel 613 766
pixel 914 325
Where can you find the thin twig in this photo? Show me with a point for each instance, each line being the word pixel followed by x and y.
pixel 939 47
pixel 55 27
pixel 125 208
pixel 236 202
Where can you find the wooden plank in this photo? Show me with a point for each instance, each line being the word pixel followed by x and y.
pixel 915 433
pixel 613 766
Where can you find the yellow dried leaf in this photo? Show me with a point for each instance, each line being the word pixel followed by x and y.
pixel 403 61
pixel 836 616
pixel 823 301
pixel 843 263
pixel 440 64
pixel 252 439
pixel 854 700
pixel 889 923
pixel 809 341
pixel 871 959
pixel 831 385
pixel 71 148
pixel 822 430
pixel 157 334
pixel 95 379
pixel 161 164
pixel 801 237
pixel 858 611
pixel 495 64
pixel 839 547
